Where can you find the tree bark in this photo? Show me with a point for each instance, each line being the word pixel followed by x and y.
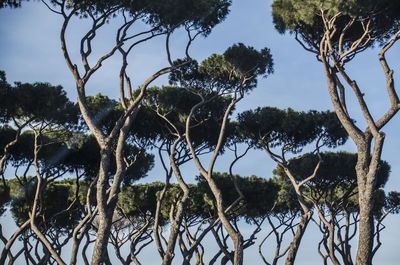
pixel 366 204
pixel 295 244
pixel 366 169
pixel 11 241
pixel 105 213
pixel 177 220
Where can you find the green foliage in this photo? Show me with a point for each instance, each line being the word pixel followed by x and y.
pixel 260 197
pixel 144 162
pixel 44 102
pixel 53 149
pixel 86 157
pixel 105 111
pixel 386 203
pixel 57 154
pixel 203 14
pixel 379 203
pixel 223 74
pixel 56 198
pixel 286 201
pixel 290 128
pixel 139 199
pixel 304 17
pixel 6 98
pixel 7 134
pixel 21 198
pixel 176 103
pixel 336 168
pixel 38 102
pixel 259 194
pixel 65 148
pixel 248 61
pixel 335 183
pixel 83 155
pixel 392 202
pixel 200 14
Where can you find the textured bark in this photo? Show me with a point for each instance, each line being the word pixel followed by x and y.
pixel 334 57
pixel 365 241
pixel 6 153
pixel 332 255
pixel 366 169
pixel 105 213
pixel 156 226
pixel 366 203
pixel 107 198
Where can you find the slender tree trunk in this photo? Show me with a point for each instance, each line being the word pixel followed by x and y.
pixel 236 237
pixel 366 168
pixel 11 241
pixel 238 256
pixel 176 221
pixel 332 256
pixel 105 213
pixel 169 253
pixel 295 244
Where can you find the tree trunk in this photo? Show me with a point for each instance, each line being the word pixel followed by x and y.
pixel 238 255
pixel 236 237
pixel 332 246
pixel 176 220
pixel 365 241
pixel 366 168
pixel 105 212
pixel 295 244
pixel 11 241
pixel 366 226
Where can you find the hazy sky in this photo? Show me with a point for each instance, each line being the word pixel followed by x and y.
pixel 30 51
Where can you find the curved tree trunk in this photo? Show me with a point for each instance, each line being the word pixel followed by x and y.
pixel 367 163
pixel 295 244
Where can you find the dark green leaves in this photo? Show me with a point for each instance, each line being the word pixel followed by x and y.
pixel 36 102
pixel 10 3
pixel 290 128
pixel 237 68
pixel 199 14
pixel 175 103
pixel 335 183
pixel 336 168
pixel 55 199
pixel 348 17
pixel 249 61
pixel 393 202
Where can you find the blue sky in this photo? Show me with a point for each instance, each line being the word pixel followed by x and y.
pixel 30 52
